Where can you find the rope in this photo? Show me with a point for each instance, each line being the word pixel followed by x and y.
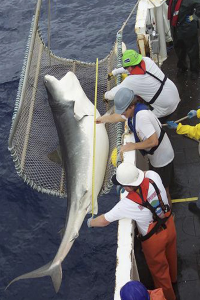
pixel 152 3
pixel 119 125
pixel 94 138
pixel 130 15
pixel 31 110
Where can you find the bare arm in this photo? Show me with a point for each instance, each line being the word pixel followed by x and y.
pixel 152 141
pixel 114 118
pixel 99 221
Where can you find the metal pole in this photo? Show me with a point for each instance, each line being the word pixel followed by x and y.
pixel 30 54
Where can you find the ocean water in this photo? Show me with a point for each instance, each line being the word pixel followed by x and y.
pixel 30 221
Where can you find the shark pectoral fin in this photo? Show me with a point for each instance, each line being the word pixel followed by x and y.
pixel 80 111
pixel 76 235
pixel 61 232
pixel 51 269
pixel 80 116
pixel 56 156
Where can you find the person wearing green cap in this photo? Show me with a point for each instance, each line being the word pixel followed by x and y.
pixel 147 81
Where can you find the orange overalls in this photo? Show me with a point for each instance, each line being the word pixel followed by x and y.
pixel 160 249
pixel 161 257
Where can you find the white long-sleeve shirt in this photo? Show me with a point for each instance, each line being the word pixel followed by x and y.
pixel 146 87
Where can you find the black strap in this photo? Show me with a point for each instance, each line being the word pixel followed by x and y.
pixel 155 76
pixel 164 207
pixel 147 204
pixel 162 133
pixel 159 90
pixel 160 223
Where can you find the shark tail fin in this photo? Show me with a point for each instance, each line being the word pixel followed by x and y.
pixel 51 269
pixel 56 276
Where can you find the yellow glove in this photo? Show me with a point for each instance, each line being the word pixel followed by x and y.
pixel 110 76
pixel 104 99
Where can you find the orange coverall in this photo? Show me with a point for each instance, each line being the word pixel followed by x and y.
pixel 161 257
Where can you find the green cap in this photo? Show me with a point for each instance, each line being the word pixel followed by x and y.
pixel 131 58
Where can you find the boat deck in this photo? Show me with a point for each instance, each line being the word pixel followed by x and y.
pixel 186 185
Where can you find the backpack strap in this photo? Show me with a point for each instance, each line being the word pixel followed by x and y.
pixel 160 223
pixel 164 207
pixel 160 88
pixel 162 133
pixel 132 124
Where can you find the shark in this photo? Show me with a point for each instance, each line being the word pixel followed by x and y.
pixel 73 115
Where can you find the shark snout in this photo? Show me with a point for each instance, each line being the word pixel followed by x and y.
pixel 48 78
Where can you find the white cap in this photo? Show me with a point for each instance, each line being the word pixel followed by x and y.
pixel 127 174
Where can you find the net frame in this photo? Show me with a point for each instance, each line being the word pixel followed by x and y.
pixel 33 133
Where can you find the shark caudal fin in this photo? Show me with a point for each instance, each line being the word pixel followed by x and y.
pixel 56 277
pixel 51 269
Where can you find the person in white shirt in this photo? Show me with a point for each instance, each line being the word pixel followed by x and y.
pixel 147 80
pixel 150 138
pixel 147 204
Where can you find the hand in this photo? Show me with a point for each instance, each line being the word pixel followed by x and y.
pixel 192 114
pixel 127 147
pixel 119 189
pixel 171 125
pixel 110 76
pixel 89 222
pixel 104 99
pixel 189 19
pixel 99 120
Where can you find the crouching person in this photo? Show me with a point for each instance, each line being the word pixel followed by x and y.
pixel 147 204
pixel 135 290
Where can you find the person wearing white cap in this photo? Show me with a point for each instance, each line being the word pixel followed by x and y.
pixel 147 204
pixel 150 138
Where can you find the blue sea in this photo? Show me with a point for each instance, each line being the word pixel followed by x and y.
pixel 30 221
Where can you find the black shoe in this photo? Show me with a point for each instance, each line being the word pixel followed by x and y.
pixel 193 208
pixel 194 76
pixel 181 72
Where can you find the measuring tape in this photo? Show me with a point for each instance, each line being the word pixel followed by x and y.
pixel 94 138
